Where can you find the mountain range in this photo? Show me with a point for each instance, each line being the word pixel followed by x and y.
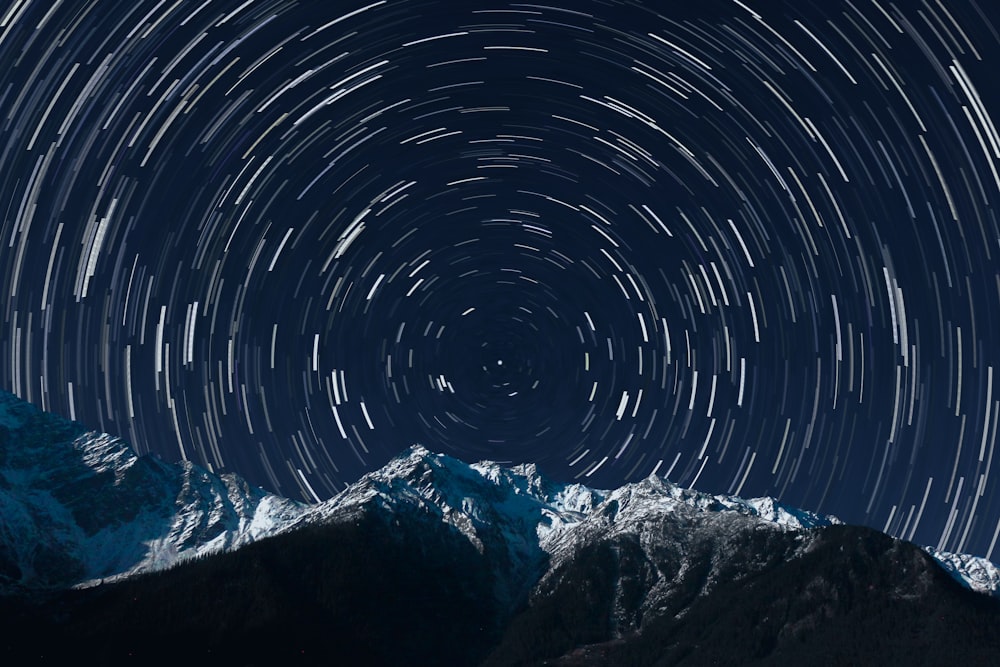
pixel 430 560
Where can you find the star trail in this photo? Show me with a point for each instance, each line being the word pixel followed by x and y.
pixel 750 245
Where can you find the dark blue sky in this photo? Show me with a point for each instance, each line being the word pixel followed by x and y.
pixel 750 245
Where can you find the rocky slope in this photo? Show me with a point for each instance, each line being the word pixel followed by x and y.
pixel 79 506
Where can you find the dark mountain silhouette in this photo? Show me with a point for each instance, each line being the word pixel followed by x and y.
pixel 413 591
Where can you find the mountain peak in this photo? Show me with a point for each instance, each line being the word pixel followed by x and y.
pixel 415 465
pixel 416 451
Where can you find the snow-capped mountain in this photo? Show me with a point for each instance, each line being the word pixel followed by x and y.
pixel 78 506
pixel 529 529
pixel 977 573
pixel 540 522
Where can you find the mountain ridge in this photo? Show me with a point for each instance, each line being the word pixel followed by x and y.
pixel 429 560
pixel 82 507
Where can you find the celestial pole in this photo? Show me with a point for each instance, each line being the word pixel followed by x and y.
pixel 750 245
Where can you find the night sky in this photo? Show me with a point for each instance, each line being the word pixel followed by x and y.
pixel 751 245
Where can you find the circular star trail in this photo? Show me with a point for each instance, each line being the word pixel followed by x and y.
pixel 750 245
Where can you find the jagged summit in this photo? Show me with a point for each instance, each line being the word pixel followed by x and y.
pixel 418 465
pixel 413 462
